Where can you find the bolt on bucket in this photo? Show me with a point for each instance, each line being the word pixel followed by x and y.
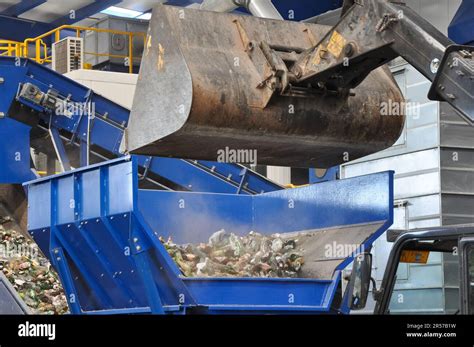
pixel 211 82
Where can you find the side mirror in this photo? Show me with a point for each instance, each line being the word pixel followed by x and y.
pixel 360 281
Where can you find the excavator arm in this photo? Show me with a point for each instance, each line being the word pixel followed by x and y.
pixel 373 32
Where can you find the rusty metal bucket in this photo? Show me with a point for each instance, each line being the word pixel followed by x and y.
pixel 205 85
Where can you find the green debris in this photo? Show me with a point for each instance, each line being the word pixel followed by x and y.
pixel 30 272
pixel 230 255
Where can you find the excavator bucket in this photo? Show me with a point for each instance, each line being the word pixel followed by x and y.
pixel 211 83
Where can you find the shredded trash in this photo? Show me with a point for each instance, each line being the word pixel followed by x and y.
pixel 230 255
pixel 30 272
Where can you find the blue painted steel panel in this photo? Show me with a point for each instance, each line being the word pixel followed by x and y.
pixel 90 198
pixel 120 186
pixel 13 74
pixel 262 294
pixel 22 7
pixel 40 195
pixel 461 29
pixel 292 10
pixel 116 261
pixel 66 203
pixel 193 217
pixel 14 152
pixel 362 199
pixel 303 9
pixel 19 29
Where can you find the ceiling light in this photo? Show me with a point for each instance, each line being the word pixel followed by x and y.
pixel 121 12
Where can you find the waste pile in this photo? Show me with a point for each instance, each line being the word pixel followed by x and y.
pixel 230 255
pixel 30 272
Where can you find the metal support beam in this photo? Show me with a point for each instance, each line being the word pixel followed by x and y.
pixel 84 12
pixel 18 29
pixel 22 7
pixel 59 149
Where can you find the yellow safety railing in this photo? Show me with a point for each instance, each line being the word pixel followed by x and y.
pixel 40 53
pixel 11 48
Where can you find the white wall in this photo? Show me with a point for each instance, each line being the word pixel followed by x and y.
pixel 116 86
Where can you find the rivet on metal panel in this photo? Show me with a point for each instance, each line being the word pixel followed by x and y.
pixel 434 66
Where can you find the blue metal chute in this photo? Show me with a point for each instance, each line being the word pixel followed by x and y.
pixel 101 232
pixel 107 131
pixel 14 154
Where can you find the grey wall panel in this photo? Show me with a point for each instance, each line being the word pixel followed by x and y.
pixel 417 185
pixel 457 181
pixel 438 12
pixel 457 204
pixel 451 299
pixel 457 158
pixel 427 223
pixel 448 113
pixel 427 114
pixel 457 135
pixel 418 92
pixel 451 266
pixel 451 220
pixel 405 164
pixel 424 207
